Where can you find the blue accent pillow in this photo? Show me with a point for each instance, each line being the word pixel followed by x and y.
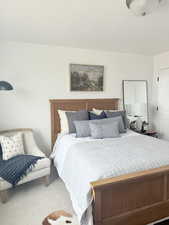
pixel 93 116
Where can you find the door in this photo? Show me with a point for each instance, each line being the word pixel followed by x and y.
pixel 163 104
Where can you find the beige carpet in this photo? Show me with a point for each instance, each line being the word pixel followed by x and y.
pixel 30 203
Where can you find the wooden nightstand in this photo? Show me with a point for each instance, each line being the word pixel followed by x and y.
pixel 151 133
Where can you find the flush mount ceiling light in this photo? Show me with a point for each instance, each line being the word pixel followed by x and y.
pixel 142 7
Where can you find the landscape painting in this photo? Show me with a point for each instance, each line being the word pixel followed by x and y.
pixel 86 77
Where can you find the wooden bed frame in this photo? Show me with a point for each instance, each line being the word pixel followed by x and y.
pixel 133 199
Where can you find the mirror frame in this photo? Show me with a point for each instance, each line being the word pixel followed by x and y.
pixel 146 82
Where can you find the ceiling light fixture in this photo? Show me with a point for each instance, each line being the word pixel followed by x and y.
pixel 142 7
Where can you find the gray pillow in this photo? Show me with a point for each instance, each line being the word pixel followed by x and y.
pixel 82 128
pixel 75 116
pixel 104 130
pixel 110 114
pixel 110 120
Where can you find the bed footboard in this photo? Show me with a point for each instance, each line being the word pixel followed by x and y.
pixel 133 199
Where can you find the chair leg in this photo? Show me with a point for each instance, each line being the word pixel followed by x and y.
pixel 47 180
pixel 4 196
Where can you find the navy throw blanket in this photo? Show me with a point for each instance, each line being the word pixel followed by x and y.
pixel 15 168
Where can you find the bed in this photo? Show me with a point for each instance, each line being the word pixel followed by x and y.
pixel 126 198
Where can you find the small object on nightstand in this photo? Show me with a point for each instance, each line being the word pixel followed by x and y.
pixel 138 123
pixel 144 127
pixel 133 125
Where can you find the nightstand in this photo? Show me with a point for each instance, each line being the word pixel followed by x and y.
pixel 151 133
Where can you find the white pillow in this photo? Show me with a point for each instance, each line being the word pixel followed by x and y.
pixel 63 121
pixel 11 146
pixel 99 111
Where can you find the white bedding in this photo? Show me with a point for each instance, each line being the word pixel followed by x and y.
pixel 65 141
pixel 82 160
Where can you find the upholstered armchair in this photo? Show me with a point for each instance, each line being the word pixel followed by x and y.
pixel 41 169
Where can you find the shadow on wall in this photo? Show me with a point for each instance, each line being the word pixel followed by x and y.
pixel 40 140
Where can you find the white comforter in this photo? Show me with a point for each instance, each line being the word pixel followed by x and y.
pixel 82 160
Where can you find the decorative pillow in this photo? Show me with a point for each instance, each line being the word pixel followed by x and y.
pixel 11 146
pixel 111 114
pixel 93 116
pixel 121 124
pixel 76 116
pixel 105 130
pixel 82 128
pixel 110 120
pixel 63 121
pixel 98 111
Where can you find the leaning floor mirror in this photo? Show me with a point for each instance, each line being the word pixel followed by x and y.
pixel 135 101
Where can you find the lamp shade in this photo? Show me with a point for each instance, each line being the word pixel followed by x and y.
pixel 5 86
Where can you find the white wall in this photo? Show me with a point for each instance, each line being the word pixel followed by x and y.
pixel 161 62
pixel 40 72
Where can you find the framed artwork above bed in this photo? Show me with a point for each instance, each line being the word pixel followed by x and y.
pixel 86 77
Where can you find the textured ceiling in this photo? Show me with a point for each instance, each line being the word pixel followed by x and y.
pixel 92 24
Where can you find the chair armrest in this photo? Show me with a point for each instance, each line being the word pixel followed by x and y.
pixel 36 152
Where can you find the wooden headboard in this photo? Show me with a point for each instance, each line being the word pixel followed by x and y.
pixel 75 105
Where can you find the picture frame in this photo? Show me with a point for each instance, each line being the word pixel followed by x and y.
pixel 86 77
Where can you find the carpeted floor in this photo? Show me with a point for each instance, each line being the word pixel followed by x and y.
pixel 29 204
